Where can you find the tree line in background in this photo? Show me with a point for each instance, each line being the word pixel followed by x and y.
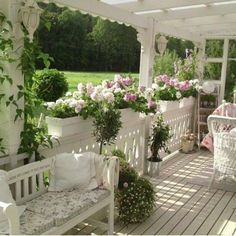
pixel 79 42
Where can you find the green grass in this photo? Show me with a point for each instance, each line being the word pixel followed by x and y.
pixel 85 77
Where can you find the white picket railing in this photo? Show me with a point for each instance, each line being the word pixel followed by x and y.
pixel 132 137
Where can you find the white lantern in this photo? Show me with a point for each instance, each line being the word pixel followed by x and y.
pixel 30 14
pixel 161 44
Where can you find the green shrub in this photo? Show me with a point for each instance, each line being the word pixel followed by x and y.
pixel 165 64
pixel 50 84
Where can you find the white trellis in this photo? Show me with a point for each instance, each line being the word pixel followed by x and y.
pixel 195 20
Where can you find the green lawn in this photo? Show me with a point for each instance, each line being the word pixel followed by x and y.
pixel 95 77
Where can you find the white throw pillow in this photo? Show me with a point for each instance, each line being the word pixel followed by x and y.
pixel 6 196
pixel 73 170
pixel 233 132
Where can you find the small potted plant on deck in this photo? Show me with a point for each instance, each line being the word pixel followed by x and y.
pixel 158 141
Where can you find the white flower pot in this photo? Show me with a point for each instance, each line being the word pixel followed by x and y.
pixel 67 126
pixel 187 102
pixel 154 168
pixel 168 105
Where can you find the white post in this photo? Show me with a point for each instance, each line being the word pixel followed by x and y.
pixel 9 129
pixel 201 59
pixel 224 69
pixel 147 39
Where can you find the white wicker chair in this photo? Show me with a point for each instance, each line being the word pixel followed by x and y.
pixel 224 167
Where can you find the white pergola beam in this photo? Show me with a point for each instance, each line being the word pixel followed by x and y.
pixel 194 12
pixel 145 5
pixel 198 21
pixel 97 8
pixel 211 27
pixel 177 32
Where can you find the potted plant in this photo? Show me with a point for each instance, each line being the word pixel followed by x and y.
pixel 106 123
pixel 157 142
pixel 187 142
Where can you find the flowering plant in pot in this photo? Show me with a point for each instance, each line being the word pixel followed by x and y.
pixel 158 141
pixel 135 196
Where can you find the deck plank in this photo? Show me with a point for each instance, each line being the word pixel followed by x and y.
pixel 190 216
pixel 171 209
pixel 223 219
pixel 209 222
pixel 203 214
pixel 230 228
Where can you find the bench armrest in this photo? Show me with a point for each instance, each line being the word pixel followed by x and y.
pixel 111 172
pixel 10 211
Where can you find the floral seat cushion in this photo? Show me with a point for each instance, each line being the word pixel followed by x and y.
pixel 63 206
pixel 31 223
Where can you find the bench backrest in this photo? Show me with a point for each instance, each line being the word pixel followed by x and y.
pixel 27 182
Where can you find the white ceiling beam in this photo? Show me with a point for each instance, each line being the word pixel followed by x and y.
pixel 177 32
pixel 204 20
pixel 194 12
pixel 203 28
pixel 219 32
pixel 145 5
pixel 97 8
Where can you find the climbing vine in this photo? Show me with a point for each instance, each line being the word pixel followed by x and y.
pixel 6 52
pixel 33 136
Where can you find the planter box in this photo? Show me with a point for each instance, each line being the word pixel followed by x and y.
pixel 77 125
pixel 186 102
pixel 128 114
pixel 68 126
pixel 168 105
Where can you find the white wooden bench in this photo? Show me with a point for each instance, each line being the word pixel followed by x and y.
pixel 54 212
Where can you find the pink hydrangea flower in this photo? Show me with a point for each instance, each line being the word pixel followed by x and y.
pixel 142 88
pixel 151 104
pixel 184 85
pixel 130 97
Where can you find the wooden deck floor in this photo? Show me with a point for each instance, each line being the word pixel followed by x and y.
pixel 183 207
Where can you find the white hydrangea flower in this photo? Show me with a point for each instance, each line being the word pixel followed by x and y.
pixel 73 103
pixel 117 78
pixel 104 84
pixel 155 86
pixel 149 92
pixel 59 101
pixel 50 105
pixel 68 94
pixel 117 90
pixel 77 94
pixel 178 95
pixel 80 87
pixel 109 97
pixel 96 96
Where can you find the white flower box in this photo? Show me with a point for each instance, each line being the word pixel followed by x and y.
pixel 67 126
pixel 128 114
pixel 187 102
pixel 77 125
pixel 168 105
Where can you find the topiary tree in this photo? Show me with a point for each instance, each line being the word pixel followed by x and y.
pixel 106 125
pixel 50 84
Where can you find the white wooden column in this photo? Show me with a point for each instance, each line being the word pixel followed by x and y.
pixel 200 58
pixel 10 130
pixel 147 39
pixel 224 68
